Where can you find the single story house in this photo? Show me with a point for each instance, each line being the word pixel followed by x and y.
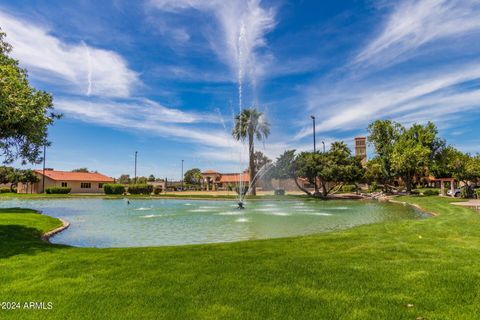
pixel 213 180
pixel 79 182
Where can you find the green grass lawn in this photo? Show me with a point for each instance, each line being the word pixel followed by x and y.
pixel 426 268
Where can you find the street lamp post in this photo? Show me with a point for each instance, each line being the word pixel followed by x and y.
pixel 323 142
pixel 135 176
pixel 182 175
pixel 43 173
pixel 314 139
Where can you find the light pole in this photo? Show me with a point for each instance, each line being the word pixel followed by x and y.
pixel 135 175
pixel 314 140
pixel 323 142
pixel 43 173
pixel 182 175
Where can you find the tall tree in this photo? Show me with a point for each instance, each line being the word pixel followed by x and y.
pixel 193 176
pixel 466 168
pixel 151 178
pixel 383 134
pixel 251 124
pixel 124 179
pixel 80 170
pixel 25 112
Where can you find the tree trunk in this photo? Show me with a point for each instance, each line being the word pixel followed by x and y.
pixel 251 166
pixel 301 188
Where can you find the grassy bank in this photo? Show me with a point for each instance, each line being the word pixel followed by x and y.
pixel 426 268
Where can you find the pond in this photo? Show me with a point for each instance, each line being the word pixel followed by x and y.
pixel 158 222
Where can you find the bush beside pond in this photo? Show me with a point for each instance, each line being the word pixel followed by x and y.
pixel 5 190
pixel 113 188
pixel 140 189
pixel 431 192
pixel 58 190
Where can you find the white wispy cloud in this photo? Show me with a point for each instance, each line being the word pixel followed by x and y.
pixel 376 86
pixel 242 29
pixel 79 68
pixel 414 24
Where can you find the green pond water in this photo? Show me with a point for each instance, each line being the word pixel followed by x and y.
pixel 157 222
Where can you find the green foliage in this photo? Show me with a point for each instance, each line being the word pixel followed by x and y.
pixel 151 178
pixel 260 160
pixel 157 190
pixel 431 192
pixel 140 180
pixel 383 134
pixel 5 190
pixel 58 190
pixel 193 176
pixel 81 170
pixel 113 188
pixel 284 167
pixel 124 179
pixel 414 152
pixel 25 113
pixel 140 189
pixel 477 191
pixel 244 189
pixel 349 188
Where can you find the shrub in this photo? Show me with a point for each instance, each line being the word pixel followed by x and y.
pixel 349 188
pixel 431 192
pixel 478 193
pixel 157 190
pixel 58 190
pixel 244 191
pixel 140 189
pixel 113 188
pixel 4 190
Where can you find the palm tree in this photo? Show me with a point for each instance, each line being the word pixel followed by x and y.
pixel 251 124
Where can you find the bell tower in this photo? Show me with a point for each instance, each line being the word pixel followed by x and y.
pixel 361 148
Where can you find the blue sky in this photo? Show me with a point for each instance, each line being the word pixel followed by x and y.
pixel 162 77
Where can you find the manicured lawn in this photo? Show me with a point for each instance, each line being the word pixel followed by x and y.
pixel 426 268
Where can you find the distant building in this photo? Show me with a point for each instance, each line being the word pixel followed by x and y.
pixel 213 180
pixel 361 148
pixel 79 182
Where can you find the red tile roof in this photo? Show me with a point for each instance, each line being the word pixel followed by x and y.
pixel 75 176
pixel 233 178
pixel 210 172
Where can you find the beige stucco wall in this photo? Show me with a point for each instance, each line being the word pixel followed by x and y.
pixel 74 185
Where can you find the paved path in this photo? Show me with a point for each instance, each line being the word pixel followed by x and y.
pixel 470 203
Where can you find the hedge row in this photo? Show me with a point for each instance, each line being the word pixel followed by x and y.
pixel 58 190
pixel 113 188
pixel 5 190
pixel 140 189
pixel 431 192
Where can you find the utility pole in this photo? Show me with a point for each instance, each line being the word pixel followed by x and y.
pixel 314 139
pixel 182 175
pixel 43 173
pixel 135 176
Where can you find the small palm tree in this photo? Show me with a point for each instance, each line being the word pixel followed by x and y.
pixel 251 124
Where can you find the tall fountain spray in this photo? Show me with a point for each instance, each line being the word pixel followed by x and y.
pixel 240 63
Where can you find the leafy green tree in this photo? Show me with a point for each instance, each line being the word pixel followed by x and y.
pixel 306 166
pixel 466 168
pixel 151 178
pixel 124 179
pixel 442 161
pixel 260 160
pixel 251 124
pixel 28 177
pixel 141 180
pixel 193 176
pixel 337 167
pixel 25 113
pixel 5 173
pixel 383 134
pixel 81 170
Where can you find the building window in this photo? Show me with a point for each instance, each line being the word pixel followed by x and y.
pixel 100 186
pixel 85 185
pixel 64 184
